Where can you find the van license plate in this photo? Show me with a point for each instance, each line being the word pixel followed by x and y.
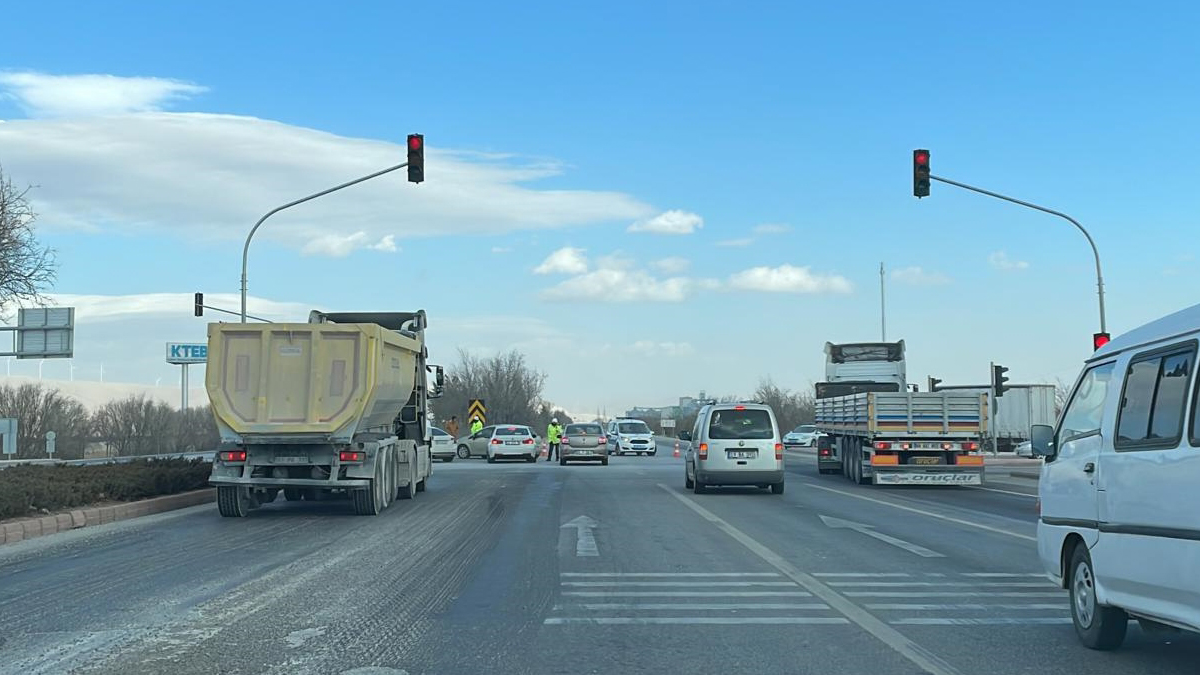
pixel 742 454
pixel 291 459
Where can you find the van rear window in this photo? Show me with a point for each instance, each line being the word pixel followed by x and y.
pixel 741 424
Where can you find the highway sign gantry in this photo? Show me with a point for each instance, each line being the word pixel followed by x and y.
pixel 477 409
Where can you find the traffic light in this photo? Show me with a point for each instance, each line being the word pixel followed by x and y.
pixel 199 304
pixel 1099 340
pixel 416 158
pixel 998 380
pixel 920 173
pixel 933 383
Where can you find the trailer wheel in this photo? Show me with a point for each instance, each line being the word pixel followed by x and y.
pixel 410 490
pixel 230 502
pixel 293 494
pixel 389 481
pixel 368 501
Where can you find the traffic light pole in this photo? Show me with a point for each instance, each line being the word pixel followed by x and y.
pixel 322 193
pixel 1095 252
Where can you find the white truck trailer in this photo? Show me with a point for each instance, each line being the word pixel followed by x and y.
pixel 878 432
pixel 337 405
pixel 1014 413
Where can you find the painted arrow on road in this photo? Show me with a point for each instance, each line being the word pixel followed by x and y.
pixel 838 523
pixel 585 542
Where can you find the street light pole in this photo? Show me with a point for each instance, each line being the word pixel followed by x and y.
pixel 322 193
pixel 1095 251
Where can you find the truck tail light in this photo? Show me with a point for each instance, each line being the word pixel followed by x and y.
pixel 233 456
pixel 883 445
pixel 779 452
pixel 970 446
pixel 702 451
pixel 351 456
pixel 824 452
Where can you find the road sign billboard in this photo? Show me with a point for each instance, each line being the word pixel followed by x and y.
pixel 186 352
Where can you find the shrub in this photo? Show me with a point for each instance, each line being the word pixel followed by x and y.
pixel 26 490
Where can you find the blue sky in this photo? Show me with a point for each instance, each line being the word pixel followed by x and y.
pixel 784 131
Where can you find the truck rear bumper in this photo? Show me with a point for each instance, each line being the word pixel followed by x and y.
pixel 345 483
pixel 947 475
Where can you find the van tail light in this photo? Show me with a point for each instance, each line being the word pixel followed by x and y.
pixel 883 445
pixel 233 456
pixel 702 451
pixel 496 441
pixel 779 452
pixel 351 456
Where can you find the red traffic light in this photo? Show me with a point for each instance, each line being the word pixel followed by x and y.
pixel 1099 340
pixel 921 157
pixel 415 142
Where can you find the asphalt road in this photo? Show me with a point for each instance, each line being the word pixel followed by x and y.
pixel 479 575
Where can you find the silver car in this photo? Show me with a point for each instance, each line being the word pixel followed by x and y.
pixel 584 442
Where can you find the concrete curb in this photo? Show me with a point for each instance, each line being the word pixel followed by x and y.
pixel 30 528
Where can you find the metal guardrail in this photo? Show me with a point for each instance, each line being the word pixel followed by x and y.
pixel 206 455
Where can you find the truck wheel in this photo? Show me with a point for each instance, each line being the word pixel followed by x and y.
pixel 421 485
pixel 369 501
pixel 464 452
pixel 230 502
pixel 1097 626
pixel 408 491
pixel 293 494
pixel 389 481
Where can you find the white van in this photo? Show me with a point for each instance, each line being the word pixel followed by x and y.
pixel 734 444
pixel 1120 487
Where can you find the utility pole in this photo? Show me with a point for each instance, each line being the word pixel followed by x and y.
pixel 882 308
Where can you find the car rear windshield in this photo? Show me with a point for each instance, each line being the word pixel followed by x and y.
pixel 752 424
pixel 633 428
pixel 588 429
pixel 512 431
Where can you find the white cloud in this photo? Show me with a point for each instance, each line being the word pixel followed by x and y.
pixel 745 241
pixel 1001 261
pixel 340 245
pixel 668 349
pixel 566 260
pixel 209 177
pixel 788 279
pixel 771 228
pixel 672 265
pixel 613 284
pixel 917 276
pixel 42 95
pixel 670 222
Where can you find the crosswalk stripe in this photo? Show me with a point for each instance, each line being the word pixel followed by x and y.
pixel 696 620
pixel 985 621
pixel 670 574
pixel 688 594
pixel 942 584
pixel 670 584
pixel 950 594
pixel 913 607
pixel 691 606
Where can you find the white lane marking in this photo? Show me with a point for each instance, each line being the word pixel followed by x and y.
pixel 951 594
pixel 1007 492
pixel 698 620
pixel 917 607
pixel 690 606
pixel 670 574
pixel 585 541
pixel 939 516
pixel 1030 575
pixel 918 655
pixel 989 621
pixel 688 594
pixel 841 524
pixel 862 574
pixel 669 584
pixel 943 584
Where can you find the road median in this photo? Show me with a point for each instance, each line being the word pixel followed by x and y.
pixel 30 528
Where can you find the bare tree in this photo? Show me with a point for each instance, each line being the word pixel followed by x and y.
pixel 26 269
pixel 1061 392
pixel 791 408
pixel 510 388
pixel 137 425
pixel 37 410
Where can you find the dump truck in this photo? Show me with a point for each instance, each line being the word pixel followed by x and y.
pixel 878 432
pixel 334 407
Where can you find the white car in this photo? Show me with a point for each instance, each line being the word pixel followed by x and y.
pixel 1118 522
pixel 512 441
pixel 630 435
pixel 803 436
pixel 443 444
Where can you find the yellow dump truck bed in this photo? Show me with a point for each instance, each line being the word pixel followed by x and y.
pixel 319 380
